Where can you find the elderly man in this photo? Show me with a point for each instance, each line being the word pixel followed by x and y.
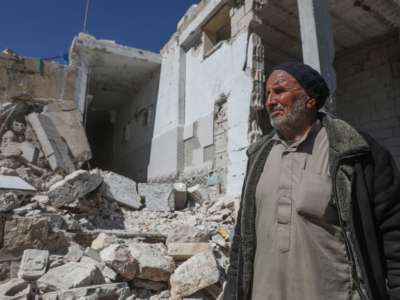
pixel 320 209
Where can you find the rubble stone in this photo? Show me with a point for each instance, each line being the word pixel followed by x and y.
pixel 9 201
pixel 70 275
pixel 187 233
pixel 121 189
pixel 157 196
pixel 183 251
pixel 33 264
pixel 119 258
pixel 74 253
pixel 102 241
pixel 74 186
pixel 196 273
pixel 198 194
pixel 15 289
pixel 154 264
pixel 117 291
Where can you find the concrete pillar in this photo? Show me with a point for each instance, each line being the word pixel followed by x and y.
pixel 317 40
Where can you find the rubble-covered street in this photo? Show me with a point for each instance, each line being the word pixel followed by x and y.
pixel 68 232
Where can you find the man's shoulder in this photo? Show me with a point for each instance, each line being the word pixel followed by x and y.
pixel 253 148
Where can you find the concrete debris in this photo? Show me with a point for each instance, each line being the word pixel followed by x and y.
pixel 119 258
pixel 188 233
pixel 9 201
pixel 33 264
pixel 16 289
pixel 157 196
pixel 197 273
pixel 102 241
pixel 183 251
pixel 154 264
pixel 121 189
pixel 14 183
pixel 198 194
pixel 73 187
pixel 71 275
pixel 117 291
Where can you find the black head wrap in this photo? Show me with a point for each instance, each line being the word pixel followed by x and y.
pixel 311 81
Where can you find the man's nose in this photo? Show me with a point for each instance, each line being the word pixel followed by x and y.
pixel 270 99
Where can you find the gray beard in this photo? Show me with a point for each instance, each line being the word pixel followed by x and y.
pixel 293 118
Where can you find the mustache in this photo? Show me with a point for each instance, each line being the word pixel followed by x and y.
pixel 277 106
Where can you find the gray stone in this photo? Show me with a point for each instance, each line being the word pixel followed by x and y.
pixel 121 189
pixel 154 264
pixel 157 196
pixel 186 233
pixel 198 194
pixel 14 183
pixel 183 251
pixel 89 252
pixel 195 274
pixel 33 264
pixel 115 291
pixel 9 201
pixel 16 289
pixel 53 146
pixel 70 275
pixel 102 241
pixel 180 190
pixel 119 258
pixel 73 187
pixel 74 253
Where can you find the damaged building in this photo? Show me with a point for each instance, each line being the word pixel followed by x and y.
pixel 124 157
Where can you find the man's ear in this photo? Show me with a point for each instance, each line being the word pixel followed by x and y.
pixel 311 102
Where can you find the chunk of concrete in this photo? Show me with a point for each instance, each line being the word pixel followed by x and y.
pixel 14 183
pixel 187 233
pixel 9 201
pixel 29 152
pixel 16 289
pixel 119 258
pixel 74 253
pixel 193 275
pixel 102 241
pixel 53 146
pixel 183 251
pixel 180 190
pixel 157 196
pixel 117 291
pixel 73 187
pixel 70 275
pixel 154 264
pixel 121 189
pixel 33 264
pixel 198 194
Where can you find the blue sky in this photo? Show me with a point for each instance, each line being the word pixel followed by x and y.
pixel 45 28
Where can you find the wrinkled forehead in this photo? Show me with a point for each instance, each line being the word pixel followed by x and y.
pixel 282 78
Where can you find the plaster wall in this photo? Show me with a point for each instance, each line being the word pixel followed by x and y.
pixel 207 78
pixel 134 131
pixel 368 94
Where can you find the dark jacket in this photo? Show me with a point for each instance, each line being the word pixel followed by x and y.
pixel 366 191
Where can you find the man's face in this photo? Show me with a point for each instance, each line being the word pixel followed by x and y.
pixel 286 100
pixel 18 127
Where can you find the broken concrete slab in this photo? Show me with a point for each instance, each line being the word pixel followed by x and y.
pixel 183 251
pixel 73 187
pixel 198 194
pixel 16 289
pixel 53 146
pixel 180 190
pixel 117 291
pixel 154 264
pixel 119 258
pixel 70 275
pixel 157 196
pixel 14 183
pixel 102 241
pixel 33 264
pixel 121 189
pixel 193 275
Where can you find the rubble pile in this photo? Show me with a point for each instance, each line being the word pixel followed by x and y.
pixel 70 233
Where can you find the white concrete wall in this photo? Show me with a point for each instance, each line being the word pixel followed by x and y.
pixel 368 94
pixel 208 78
pixel 133 151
